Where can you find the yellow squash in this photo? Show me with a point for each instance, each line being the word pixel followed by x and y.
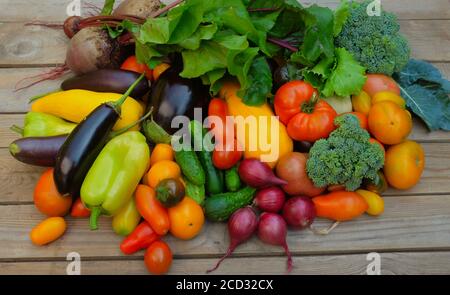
pixel 259 140
pixel 75 105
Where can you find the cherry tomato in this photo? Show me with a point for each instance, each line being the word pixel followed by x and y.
pixel 227 155
pixel 218 108
pixel 132 64
pixel 158 258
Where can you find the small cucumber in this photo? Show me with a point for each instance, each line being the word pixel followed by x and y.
pixel 220 207
pixel 232 179
pixel 191 166
pixel 203 146
pixel 195 192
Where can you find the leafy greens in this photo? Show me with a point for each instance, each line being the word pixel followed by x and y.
pixel 426 93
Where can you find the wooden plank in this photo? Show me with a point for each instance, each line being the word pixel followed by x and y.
pixel 55 10
pixel 38 46
pixel 19 179
pixel 31 45
pixel 426 263
pixel 409 223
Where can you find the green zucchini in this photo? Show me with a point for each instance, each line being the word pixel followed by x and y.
pixel 221 206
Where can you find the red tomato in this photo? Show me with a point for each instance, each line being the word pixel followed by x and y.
pixel 132 64
pixel 218 108
pixel 158 258
pixel 313 125
pixel 376 83
pixel 290 98
pixel 227 156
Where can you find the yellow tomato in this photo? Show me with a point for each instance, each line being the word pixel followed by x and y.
pixel 389 96
pixel 375 202
pixel 186 219
pixel 162 170
pixel 161 152
pixel 362 103
pixel 404 164
pixel 389 123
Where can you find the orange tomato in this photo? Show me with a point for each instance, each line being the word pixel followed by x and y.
pixel 186 219
pixel 404 164
pixel 163 170
pixel 159 69
pixel 389 123
pixel 389 96
pixel 47 199
pixel 48 231
pixel 158 258
pixel 373 140
pixel 377 83
pixel 161 152
pixel 362 103
pixel 152 210
pixel 340 205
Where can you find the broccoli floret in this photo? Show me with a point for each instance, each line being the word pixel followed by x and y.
pixel 374 41
pixel 346 157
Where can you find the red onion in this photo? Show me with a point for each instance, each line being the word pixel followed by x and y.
pixel 270 199
pixel 299 212
pixel 258 175
pixel 272 230
pixel 241 226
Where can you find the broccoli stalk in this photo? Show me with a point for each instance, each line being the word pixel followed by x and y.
pixel 374 41
pixel 346 157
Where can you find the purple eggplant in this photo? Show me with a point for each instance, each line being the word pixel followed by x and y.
pixel 173 96
pixel 38 151
pixel 107 80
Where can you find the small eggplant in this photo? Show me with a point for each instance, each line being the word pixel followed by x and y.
pixel 85 143
pixel 108 80
pixel 38 151
pixel 173 96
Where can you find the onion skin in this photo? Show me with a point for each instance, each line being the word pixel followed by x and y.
pixel 272 230
pixel 71 26
pixel 258 174
pixel 299 212
pixel 270 199
pixel 241 227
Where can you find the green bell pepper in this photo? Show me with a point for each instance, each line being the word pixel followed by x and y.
pixel 115 174
pixel 44 125
pixel 127 219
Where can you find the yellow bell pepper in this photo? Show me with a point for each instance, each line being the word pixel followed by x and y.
pixel 75 105
pixel 259 141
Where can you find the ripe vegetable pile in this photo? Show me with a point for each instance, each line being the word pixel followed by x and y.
pixel 337 123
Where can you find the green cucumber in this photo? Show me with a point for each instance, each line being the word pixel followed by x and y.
pixel 232 179
pixel 195 192
pixel 191 166
pixel 204 147
pixel 221 206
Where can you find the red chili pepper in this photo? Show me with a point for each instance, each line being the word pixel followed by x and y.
pixel 142 237
pixel 79 210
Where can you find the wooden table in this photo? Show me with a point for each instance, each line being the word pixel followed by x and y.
pixel 412 237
